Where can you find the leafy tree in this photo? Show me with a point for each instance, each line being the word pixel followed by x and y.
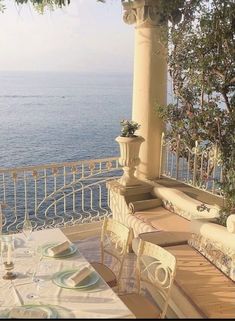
pixel 41 5
pixel 202 65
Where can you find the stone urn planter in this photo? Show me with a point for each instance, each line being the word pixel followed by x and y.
pixel 129 158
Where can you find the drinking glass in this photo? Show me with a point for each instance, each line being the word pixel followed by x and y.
pixel 27 231
pixel 39 283
pixel 27 228
pixel 46 265
pixel 37 280
pixel 7 256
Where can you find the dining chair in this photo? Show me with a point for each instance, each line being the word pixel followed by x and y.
pixel 115 240
pixel 155 268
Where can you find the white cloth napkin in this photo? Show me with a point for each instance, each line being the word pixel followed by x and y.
pixel 22 313
pixel 79 276
pixel 57 249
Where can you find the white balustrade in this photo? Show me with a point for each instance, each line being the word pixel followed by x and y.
pixel 199 166
pixel 56 195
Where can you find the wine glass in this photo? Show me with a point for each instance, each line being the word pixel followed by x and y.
pixel 27 231
pixel 7 256
pixel 37 280
pixel 39 283
pixel 27 228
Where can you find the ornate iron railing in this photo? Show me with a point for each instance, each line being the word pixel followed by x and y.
pixel 56 195
pixel 199 166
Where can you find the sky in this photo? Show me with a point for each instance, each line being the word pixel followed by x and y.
pixel 84 37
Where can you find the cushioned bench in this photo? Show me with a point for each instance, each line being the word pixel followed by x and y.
pixel 163 220
pixel 161 238
pixel 169 228
pixel 209 291
pixel 200 288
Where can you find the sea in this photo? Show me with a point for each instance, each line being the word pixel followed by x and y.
pixel 48 117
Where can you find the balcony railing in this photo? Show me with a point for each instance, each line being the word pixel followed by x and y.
pixel 56 195
pixel 198 166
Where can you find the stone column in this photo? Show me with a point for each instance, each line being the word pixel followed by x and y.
pixel 150 80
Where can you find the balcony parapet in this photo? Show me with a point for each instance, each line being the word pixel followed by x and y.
pixel 57 194
pixel 199 166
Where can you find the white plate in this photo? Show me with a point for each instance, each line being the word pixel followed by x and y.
pixel 50 310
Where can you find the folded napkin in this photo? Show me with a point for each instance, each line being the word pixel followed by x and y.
pixel 79 276
pixel 57 249
pixel 23 313
pixel 144 205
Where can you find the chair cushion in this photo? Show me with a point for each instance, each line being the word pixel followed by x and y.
pixel 166 238
pixel 164 220
pixel 162 238
pixel 106 273
pixel 140 306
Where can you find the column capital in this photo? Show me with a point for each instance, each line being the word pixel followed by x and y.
pixel 143 13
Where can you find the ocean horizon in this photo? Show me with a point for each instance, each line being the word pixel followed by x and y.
pixel 53 117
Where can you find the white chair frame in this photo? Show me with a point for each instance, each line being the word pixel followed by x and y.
pixel 157 267
pixel 115 240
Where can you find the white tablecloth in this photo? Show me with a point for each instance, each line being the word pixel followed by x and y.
pixel 99 302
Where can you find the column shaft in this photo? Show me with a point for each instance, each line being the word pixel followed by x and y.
pixel 149 89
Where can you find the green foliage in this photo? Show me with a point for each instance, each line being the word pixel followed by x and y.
pixel 2 6
pixel 129 128
pixel 202 66
pixel 41 5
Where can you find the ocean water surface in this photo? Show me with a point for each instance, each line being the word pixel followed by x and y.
pixel 49 117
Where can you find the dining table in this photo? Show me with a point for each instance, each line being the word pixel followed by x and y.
pixel 93 300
